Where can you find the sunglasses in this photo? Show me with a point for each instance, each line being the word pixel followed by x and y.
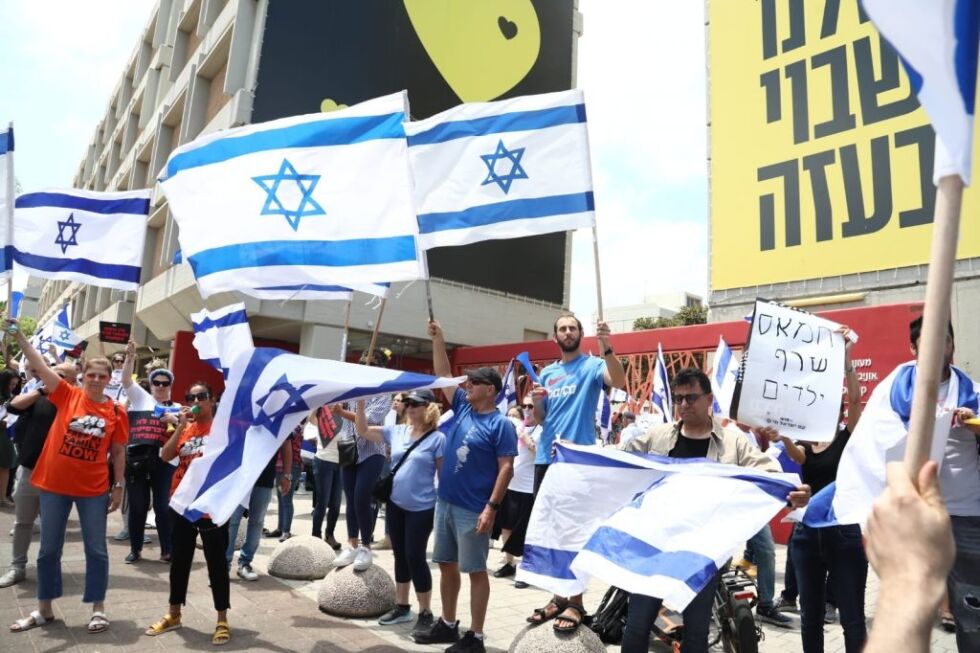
pixel 479 382
pixel 690 399
pixel 198 396
pixel 161 384
pixel 117 361
pixel 529 406
pixel 414 404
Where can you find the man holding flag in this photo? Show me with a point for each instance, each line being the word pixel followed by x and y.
pixel 565 405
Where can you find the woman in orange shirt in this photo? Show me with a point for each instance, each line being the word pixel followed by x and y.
pixel 73 470
pixel 187 443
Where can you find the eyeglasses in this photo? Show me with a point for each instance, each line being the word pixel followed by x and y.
pixel 199 396
pixel 95 376
pixel 690 399
pixel 161 384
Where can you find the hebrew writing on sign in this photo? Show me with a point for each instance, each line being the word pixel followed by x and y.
pixel 793 374
pixel 145 428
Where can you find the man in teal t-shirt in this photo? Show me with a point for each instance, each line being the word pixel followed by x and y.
pixel 565 405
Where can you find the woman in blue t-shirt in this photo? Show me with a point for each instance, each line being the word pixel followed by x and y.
pixel 411 508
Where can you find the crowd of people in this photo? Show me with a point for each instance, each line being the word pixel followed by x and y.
pixel 466 482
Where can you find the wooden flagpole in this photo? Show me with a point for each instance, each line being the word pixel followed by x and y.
pixel 428 299
pixel 929 367
pixel 377 327
pixel 598 275
pixel 346 336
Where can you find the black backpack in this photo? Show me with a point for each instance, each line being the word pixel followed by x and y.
pixel 609 619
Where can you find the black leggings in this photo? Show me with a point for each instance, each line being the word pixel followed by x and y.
pixel 409 532
pixel 215 541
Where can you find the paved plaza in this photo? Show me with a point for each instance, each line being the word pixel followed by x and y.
pixel 270 614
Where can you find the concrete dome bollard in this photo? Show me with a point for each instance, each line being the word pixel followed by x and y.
pixel 303 557
pixel 544 639
pixel 348 593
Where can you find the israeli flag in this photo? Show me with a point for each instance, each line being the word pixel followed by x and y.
pixel 507 397
pixel 221 335
pixel 505 169
pixel 937 41
pixel 660 397
pixel 58 332
pixel 648 524
pixel 881 435
pixel 268 393
pixel 6 200
pixel 299 208
pixel 724 377
pixel 79 235
pixel 16 299
pixel 603 415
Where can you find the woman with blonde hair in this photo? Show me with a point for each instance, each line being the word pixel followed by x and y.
pixel 416 457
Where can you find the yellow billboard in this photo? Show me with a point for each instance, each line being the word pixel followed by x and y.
pixel 821 158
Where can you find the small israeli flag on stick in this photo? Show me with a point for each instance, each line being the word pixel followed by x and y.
pixel 6 204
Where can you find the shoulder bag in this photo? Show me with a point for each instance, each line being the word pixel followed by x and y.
pixel 382 487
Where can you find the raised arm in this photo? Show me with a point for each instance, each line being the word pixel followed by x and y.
pixel 615 375
pixel 372 433
pixel 127 370
pixel 48 376
pixel 440 359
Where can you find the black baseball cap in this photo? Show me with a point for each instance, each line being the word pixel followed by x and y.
pixel 420 397
pixel 486 375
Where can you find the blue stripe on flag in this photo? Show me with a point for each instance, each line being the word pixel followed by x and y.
pixel 548 562
pixel 128 273
pixel 307 286
pixel 966 17
pixel 642 558
pixel 339 253
pixel 6 258
pixel 322 133
pixel 506 122
pixel 488 214
pixel 7 141
pixel 237 317
pixel 135 205
pixel 579 457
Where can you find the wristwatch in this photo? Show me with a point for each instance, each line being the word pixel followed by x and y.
pixel 493 505
pixel 609 351
pixel 117 484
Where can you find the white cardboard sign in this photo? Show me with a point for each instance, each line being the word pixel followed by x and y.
pixel 793 374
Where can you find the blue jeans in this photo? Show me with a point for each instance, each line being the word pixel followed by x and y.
pixel 839 551
pixel 643 611
pixel 359 480
pixel 285 501
pixel 763 552
pixel 964 582
pixel 54 519
pixel 258 503
pixel 138 489
pixel 326 490
pixel 457 539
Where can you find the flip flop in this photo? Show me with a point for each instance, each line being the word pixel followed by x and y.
pixel 30 622
pixel 98 623
pixel 576 622
pixel 222 634
pixel 542 615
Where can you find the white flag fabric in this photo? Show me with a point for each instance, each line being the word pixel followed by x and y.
pixel 937 40
pixel 6 201
pixel 504 169
pixel 581 521
pixel 221 335
pixel 299 208
pixel 881 435
pixel 603 416
pixel 724 377
pixel 660 397
pixel 79 235
pixel 268 393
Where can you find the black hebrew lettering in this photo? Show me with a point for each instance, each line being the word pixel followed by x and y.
pixel 818 365
pixel 800 357
pixel 783 352
pixel 766 319
pixel 859 224
pixel 782 328
pixel 925 139
pixel 796 74
pixel 814 400
pixel 770 389
pixel 830 335
pixel 799 395
pixel 816 165
pixel 774 105
pixel 842 118
pixel 770 37
pixel 831 13
pixel 800 328
pixel 870 88
pixel 789 171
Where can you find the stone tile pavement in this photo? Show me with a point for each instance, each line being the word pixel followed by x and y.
pixel 275 615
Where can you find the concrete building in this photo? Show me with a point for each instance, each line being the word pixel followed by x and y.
pixel 620 318
pixel 198 68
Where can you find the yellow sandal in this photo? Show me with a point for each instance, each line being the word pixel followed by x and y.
pixel 166 624
pixel 222 633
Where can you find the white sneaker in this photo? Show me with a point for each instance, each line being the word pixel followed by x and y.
pixel 12 577
pixel 345 557
pixel 245 572
pixel 363 558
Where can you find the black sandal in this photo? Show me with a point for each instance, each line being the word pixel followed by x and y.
pixel 576 622
pixel 542 615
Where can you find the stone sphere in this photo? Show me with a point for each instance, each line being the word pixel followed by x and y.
pixel 544 639
pixel 303 557
pixel 348 593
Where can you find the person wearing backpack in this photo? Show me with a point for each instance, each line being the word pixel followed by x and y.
pixel 416 457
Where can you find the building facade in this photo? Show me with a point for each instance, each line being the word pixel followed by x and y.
pixel 200 66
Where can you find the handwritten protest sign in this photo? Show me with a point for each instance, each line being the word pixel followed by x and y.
pixel 793 374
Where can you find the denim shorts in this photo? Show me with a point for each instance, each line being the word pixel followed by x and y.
pixel 457 539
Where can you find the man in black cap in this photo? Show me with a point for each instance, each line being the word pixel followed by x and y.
pixel 476 469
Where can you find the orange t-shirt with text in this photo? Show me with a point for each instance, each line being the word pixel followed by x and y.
pixel 74 459
pixel 189 446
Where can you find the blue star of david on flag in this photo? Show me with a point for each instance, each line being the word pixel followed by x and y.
pixel 292 403
pixel 502 154
pixel 70 240
pixel 287 182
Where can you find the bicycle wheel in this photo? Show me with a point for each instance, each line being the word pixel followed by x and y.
pixel 746 640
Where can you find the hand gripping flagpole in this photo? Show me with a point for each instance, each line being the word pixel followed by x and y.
pixel 929 368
